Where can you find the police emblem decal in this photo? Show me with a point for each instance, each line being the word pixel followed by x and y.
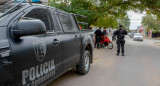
pixel 40 50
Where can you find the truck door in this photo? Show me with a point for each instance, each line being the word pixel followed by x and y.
pixel 78 41
pixel 37 58
pixel 69 40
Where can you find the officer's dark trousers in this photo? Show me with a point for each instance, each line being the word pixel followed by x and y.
pixel 98 39
pixel 120 45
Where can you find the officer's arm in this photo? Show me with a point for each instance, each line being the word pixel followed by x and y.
pixel 102 33
pixel 115 33
pixel 125 32
pixel 95 32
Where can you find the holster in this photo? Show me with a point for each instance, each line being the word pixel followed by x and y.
pixel 120 41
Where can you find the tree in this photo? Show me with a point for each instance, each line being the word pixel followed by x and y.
pixel 108 11
pixel 125 22
pixel 151 22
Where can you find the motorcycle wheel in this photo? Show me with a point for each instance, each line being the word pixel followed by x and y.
pixel 99 45
pixel 110 45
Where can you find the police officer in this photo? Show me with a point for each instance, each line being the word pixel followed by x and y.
pixel 98 33
pixel 120 33
pixel 105 32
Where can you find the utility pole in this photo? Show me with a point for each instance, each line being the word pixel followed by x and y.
pixel 118 22
pixel 98 3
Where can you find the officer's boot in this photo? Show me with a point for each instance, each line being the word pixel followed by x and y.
pixel 122 54
pixel 117 54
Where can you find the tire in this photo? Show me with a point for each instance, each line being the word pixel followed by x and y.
pixel 99 45
pixel 110 45
pixel 103 45
pixel 84 66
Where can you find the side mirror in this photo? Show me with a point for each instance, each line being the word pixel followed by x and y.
pixel 28 27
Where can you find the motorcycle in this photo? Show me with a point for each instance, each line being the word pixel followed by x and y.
pixel 105 42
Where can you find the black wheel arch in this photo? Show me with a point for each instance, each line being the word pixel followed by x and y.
pixel 89 48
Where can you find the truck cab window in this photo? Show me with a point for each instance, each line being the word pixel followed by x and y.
pixel 56 23
pixel 75 26
pixel 66 22
pixel 42 14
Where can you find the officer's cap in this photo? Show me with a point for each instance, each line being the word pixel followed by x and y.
pixel 120 25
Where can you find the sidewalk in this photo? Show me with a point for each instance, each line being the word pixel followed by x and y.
pixel 153 41
pixel 158 38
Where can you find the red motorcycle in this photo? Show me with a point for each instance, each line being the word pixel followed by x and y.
pixel 105 42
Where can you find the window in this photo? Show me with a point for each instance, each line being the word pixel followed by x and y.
pixel 42 14
pixel 56 23
pixel 74 23
pixel 66 22
pixel 7 7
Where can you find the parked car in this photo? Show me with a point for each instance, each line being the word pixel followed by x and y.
pixel 39 43
pixel 129 34
pixel 138 37
pixel 132 34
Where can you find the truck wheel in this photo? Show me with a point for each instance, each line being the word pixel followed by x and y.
pixel 84 66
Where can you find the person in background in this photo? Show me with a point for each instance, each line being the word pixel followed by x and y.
pixel 113 37
pixel 98 35
pixel 120 33
pixel 105 32
pixel 90 27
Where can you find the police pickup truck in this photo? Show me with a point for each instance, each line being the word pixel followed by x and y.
pixel 38 43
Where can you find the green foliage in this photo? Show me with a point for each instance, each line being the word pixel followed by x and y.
pixel 125 22
pixel 151 22
pixel 107 12
pixel 155 31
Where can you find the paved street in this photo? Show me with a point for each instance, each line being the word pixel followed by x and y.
pixel 139 67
